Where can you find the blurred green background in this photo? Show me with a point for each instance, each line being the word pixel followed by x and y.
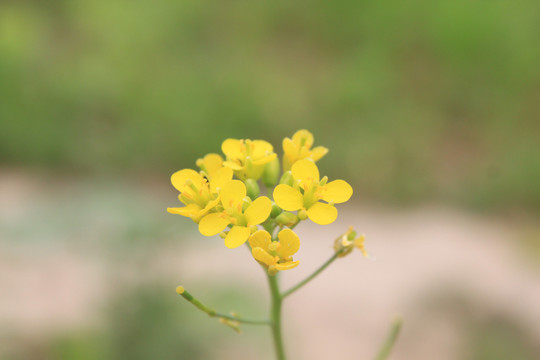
pixel 420 102
pixel 417 100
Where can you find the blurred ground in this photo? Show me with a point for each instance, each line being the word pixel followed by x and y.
pixel 461 281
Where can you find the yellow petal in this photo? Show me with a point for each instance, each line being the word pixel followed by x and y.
pixel 260 148
pixel 220 178
pixel 258 210
pixel 213 224
pixel 189 210
pixel 262 256
pixel 212 163
pixel 289 243
pixel 337 191
pixel 305 170
pixel 288 198
pixel 237 236
pixel 260 239
pixel 209 206
pixel 322 214
pixel 287 265
pixel 264 160
pixel 289 148
pixel 233 165
pixel 179 178
pixel 303 137
pixel 232 148
pixel 232 193
pixel 318 152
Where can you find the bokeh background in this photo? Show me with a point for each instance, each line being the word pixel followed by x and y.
pixel 431 110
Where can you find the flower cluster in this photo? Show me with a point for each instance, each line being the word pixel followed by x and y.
pixel 224 196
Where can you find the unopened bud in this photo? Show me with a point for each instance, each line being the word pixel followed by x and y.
pixel 223 234
pixel 287 178
pixel 286 218
pixel 252 188
pixel 270 174
pixel 276 210
pixel 302 214
pixel 246 202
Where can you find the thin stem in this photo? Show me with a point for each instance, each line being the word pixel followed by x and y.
pixel 211 312
pixel 275 315
pixel 242 320
pixel 310 277
pixel 390 340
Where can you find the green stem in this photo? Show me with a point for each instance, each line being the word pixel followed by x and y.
pixel 275 316
pixel 213 313
pixel 390 340
pixel 310 277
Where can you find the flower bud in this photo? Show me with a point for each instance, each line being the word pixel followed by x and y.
pixel 286 218
pixel 276 210
pixel 287 178
pixel 245 203
pixel 302 214
pixel 252 188
pixel 270 174
pixel 323 181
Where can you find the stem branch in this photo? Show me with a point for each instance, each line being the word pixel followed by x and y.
pixel 211 312
pixel 310 277
pixel 385 350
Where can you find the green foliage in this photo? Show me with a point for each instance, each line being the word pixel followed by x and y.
pixel 501 339
pixel 426 100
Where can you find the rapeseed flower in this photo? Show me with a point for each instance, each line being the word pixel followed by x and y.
pixel 200 195
pixel 308 191
pixel 247 158
pixel 299 147
pixel 242 222
pixel 275 255
pixel 345 244
pixel 210 164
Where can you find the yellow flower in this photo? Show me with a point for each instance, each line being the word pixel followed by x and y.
pixel 198 194
pixel 210 164
pixel 345 244
pixel 232 199
pixel 276 255
pixel 308 190
pixel 299 147
pixel 247 157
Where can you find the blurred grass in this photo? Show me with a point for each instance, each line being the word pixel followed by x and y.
pixel 417 101
pixel 144 323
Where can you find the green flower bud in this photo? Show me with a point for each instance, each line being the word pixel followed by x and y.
pixel 276 210
pixel 270 174
pixel 286 218
pixel 302 214
pixel 245 203
pixel 287 178
pixel 252 188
